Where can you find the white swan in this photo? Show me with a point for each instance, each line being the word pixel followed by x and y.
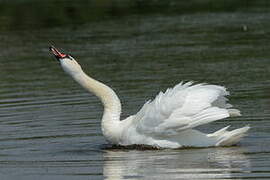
pixel 168 120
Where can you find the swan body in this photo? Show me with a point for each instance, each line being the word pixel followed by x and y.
pixel 169 120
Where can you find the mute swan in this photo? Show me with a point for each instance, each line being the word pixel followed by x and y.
pixel 168 120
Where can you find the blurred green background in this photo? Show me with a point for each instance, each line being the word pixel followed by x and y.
pixel 33 14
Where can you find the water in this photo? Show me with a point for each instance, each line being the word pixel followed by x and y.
pixel 50 127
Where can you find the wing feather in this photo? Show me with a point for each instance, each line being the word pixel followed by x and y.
pixel 183 107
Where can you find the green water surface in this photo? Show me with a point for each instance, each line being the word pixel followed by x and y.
pixel 50 126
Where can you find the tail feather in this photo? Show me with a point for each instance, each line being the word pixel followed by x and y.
pixel 219 132
pixel 228 138
pixel 234 112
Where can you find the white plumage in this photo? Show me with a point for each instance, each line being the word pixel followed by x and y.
pixel 168 120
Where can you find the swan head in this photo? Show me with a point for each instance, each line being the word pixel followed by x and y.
pixel 68 63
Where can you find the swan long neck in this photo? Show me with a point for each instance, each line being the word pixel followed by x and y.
pixel 112 105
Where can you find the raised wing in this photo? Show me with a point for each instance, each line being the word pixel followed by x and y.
pixel 183 107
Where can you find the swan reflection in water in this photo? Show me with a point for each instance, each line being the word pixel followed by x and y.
pixel 211 163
